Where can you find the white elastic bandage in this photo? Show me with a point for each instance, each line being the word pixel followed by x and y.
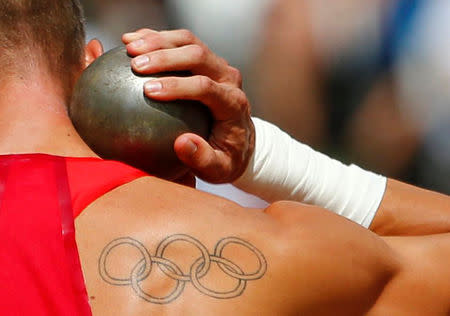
pixel 284 169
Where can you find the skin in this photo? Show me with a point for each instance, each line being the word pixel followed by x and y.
pixel 407 210
pixel 294 239
pixel 315 262
pixel 216 84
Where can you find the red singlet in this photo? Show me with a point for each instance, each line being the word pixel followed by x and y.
pixel 40 195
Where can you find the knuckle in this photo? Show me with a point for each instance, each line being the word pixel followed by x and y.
pixel 205 84
pixel 198 53
pixel 240 99
pixel 223 64
pixel 187 35
pixel 170 83
pixel 236 76
pixel 153 39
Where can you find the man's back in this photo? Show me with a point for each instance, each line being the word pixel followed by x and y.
pixel 155 247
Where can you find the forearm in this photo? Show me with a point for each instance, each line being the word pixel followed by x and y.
pixel 409 210
pixel 283 168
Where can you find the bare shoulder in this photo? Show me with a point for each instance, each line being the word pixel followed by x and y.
pixel 153 246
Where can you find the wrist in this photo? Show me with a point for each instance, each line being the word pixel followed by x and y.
pixel 282 168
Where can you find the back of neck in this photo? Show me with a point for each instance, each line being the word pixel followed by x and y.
pixel 34 119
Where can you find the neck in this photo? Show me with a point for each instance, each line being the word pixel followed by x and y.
pixel 34 119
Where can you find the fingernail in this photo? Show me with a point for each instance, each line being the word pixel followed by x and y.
pixel 190 147
pixel 152 86
pixel 141 61
pixel 137 44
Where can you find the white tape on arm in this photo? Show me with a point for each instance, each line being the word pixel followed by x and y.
pixel 284 169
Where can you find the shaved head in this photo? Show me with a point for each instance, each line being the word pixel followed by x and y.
pixel 43 33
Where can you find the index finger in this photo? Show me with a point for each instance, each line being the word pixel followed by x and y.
pixel 224 101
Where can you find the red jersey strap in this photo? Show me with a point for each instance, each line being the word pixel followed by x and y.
pixel 90 178
pixel 68 234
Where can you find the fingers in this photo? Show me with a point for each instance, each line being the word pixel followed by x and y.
pixel 181 58
pixel 189 57
pixel 177 50
pixel 145 40
pixel 130 37
pixel 206 162
pixel 224 101
pixel 213 82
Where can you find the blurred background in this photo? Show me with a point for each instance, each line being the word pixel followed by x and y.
pixel 365 81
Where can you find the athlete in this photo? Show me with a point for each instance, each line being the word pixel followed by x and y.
pixel 148 246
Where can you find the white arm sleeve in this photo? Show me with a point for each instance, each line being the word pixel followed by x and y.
pixel 284 169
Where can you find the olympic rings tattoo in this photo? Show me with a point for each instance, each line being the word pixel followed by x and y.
pixel 199 268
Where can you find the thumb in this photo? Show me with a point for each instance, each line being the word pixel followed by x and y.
pixel 198 155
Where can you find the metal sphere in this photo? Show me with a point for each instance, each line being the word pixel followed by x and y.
pixel 115 118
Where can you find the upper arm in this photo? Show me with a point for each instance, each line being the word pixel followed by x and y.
pixel 334 265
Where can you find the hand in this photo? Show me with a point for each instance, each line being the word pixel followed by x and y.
pixel 224 157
